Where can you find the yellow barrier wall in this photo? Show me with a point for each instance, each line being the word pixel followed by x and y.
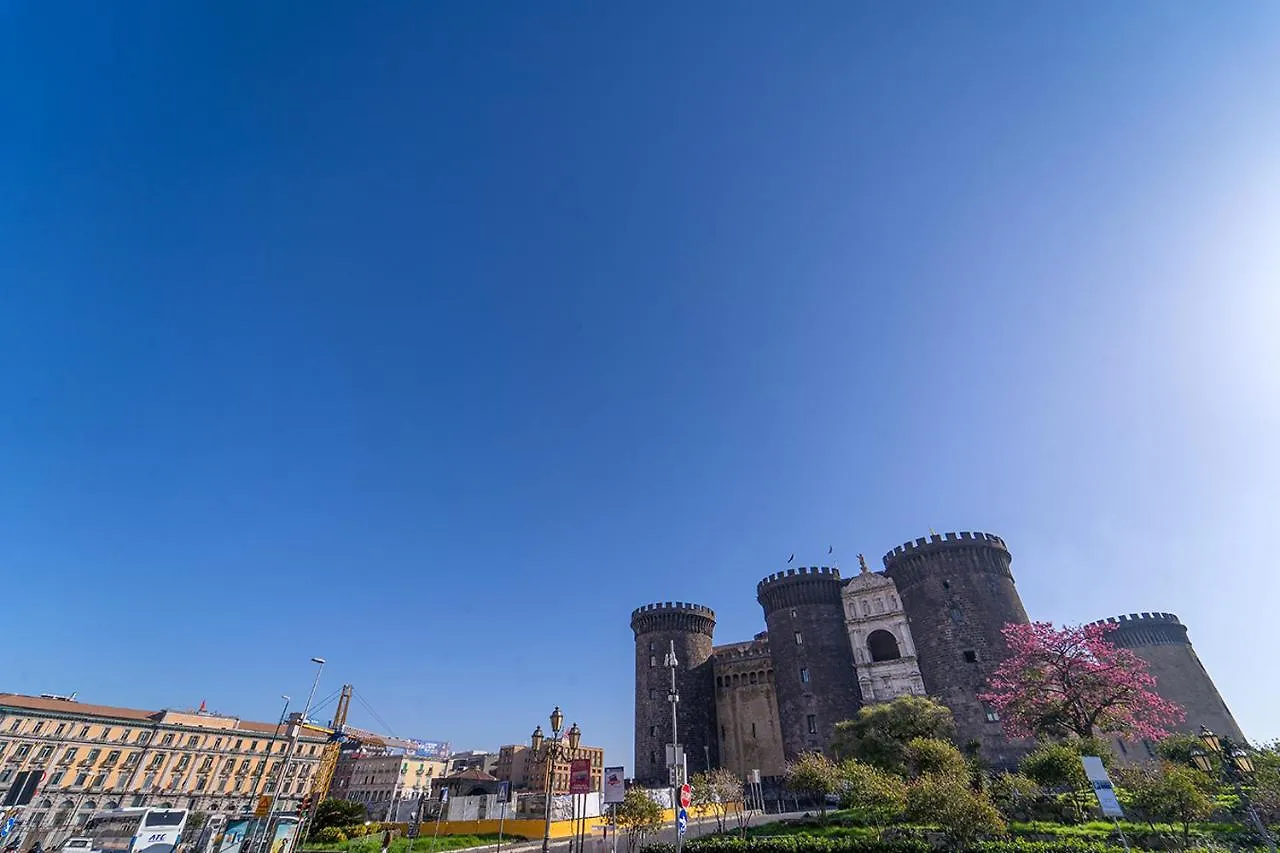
pixel 527 828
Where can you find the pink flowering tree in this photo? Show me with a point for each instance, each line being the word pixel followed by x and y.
pixel 1059 682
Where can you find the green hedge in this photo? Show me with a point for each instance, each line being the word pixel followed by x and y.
pixel 812 844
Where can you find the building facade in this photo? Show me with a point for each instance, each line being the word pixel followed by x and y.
pixel 747 709
pixel 527 771
pixel 884 654
pixel 96 757
pixel 473 759
pixel 384 784
pixel 930 623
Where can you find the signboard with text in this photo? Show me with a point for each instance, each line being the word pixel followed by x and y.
pixel 615 785
pixel 1101 783
pixel 580 776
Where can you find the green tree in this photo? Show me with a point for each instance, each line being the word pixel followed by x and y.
pixel 1016 796
pixel 1056 767
pixel 1266 783
pixel 639 815
pixel 716 791
pixel 930 755
pixel 878 735
pixel 815 775
pixel 1171 794
pixel 338 813
pixel 876 797
pixel 963 814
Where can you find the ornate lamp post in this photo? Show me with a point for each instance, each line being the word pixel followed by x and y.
pixel 1237 766
pixel 554 749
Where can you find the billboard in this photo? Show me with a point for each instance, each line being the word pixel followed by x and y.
pixel 437 749
pixel 580 776
pixel 615 785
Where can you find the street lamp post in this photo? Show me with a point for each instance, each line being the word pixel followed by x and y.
pixel 555 749
pixel 1237 765
pixel 290 749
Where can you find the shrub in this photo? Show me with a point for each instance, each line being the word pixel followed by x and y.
pixel 874 796
pixel 329 835
pixel 930 755
pixel 962 814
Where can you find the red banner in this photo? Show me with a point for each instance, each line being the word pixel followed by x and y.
pixel 580 776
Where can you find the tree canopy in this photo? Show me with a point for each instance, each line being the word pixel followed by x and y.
pixel 1060 682
pixel 879 734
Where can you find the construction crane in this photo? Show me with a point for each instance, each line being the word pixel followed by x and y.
pixel 329 758
pixel 339 733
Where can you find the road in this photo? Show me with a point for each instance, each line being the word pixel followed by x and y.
pixel 697 828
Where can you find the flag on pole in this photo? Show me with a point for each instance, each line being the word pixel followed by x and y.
pixel 831 549
pixel 789 559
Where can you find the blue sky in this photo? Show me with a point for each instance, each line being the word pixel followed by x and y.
pixel 434 338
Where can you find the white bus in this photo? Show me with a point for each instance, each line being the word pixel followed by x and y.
pixel 136 830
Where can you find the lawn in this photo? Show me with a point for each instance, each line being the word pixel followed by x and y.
pixel 424 844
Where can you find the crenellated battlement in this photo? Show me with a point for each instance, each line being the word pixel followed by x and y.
pixel 674 605
pixel 945 540
pixel 802 572
pixel 812 585
pixel 741 651
pixel 1140 618
pixel 673 616
pixel 1136 630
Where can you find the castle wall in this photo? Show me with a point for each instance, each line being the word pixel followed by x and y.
pixel 747 710
pixel 814 678
pixel 1161 640
pixel 958 592
pixel 690 627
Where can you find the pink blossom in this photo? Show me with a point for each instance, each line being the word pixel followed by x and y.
pixel 1073 680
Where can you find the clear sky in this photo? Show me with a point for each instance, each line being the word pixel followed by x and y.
pixel 433 338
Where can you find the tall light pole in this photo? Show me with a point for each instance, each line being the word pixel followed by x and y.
pixel 284 712
pixel 555 750
pixel 290 749
pixel 674 698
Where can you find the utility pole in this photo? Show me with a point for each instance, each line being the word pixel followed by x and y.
pixel 674 698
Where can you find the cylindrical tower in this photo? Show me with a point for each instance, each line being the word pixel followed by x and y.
pixel 814 679
pixel 690 627
pixel 958 593
pixel 1161 640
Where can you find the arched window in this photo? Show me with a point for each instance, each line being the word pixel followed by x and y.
pixel 882 646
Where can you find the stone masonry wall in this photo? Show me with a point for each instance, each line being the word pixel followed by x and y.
pixel 691 627
pixel 958 593
pixel 1161 640
pixel 814 678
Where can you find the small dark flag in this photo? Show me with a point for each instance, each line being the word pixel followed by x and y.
pixel 792 557
pixel 831 549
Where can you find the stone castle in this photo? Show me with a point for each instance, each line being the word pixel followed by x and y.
pixel 928 624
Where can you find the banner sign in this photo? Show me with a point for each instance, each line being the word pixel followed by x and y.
pixel 436 749
pixel 615 785
pixel 580 776
pixel 1101 785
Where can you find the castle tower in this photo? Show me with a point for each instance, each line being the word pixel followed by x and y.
pixel 690 627
pixel 958 593
pixel 814 679
pixel 1161 640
